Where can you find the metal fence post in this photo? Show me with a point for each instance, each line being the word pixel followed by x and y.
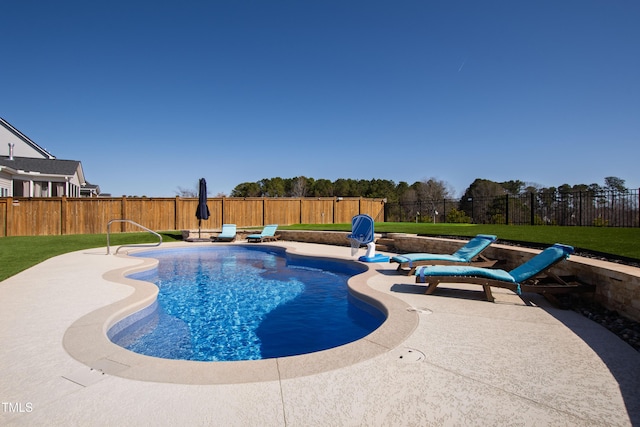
pixel 532 209
pixel 506 219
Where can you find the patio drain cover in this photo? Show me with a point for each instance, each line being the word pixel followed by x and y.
pixel 85 376
pixel 109 366
pixel 410 355
pixel 90 375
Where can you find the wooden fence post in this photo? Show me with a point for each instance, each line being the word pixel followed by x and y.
pixel 9 220
pixel 222 217
pixel 335 201
pixel 63 215
pixel 176 213
pixel 123 209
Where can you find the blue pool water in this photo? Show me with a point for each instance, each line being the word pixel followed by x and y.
pixel 223 303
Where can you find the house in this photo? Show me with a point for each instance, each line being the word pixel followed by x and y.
pixel 28 170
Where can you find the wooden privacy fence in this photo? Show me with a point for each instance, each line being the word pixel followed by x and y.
pixel 62 215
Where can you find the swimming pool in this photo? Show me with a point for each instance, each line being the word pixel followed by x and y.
pixel 232 302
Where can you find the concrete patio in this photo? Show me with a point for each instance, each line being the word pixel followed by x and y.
pixel 466 361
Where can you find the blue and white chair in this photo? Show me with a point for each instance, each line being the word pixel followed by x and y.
pixel 268 234
pixel 228 233
pixel 469 254
pixel 532 276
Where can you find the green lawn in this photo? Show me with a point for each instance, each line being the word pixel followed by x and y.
pixel 20 253
pixel 623 242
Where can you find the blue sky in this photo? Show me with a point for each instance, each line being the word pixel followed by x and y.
pixel 151 96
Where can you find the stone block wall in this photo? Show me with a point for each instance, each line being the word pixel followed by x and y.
pixel 617 285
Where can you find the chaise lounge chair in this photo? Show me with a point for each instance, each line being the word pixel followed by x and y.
pixel 532 276
pixel 228 233
pixel 268 234
pixel 469 254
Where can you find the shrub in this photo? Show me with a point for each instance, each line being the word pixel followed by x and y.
pixel 458 217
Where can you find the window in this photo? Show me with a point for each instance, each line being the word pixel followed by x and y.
pixel 20 188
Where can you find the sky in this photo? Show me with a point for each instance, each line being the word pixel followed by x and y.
pixel 152 95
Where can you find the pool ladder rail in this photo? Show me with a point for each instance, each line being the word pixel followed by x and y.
pixel 134 245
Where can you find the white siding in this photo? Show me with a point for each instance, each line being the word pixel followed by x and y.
pixel 20 149
pixel 6 185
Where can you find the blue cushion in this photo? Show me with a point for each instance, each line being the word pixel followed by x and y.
pixel 464 271
pixel 267 231
pixel 541 262
pixel 474 246
pixel 464 254
pixel 411 258
pixel 529 269
pixel 228 230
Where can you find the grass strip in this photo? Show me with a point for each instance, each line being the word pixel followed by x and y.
pixel 17 253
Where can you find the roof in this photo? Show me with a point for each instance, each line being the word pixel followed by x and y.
pixel 90 188
pixel 43 166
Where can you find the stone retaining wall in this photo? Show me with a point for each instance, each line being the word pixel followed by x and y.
pixel 617 285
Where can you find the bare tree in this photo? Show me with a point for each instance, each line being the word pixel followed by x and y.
pixel 299 187
pixel 432 193
pixel 187 192
pixel 433 189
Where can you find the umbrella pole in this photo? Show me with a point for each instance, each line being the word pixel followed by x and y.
pixel 199 223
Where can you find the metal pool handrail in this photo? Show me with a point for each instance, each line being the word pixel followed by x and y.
pixel 136 245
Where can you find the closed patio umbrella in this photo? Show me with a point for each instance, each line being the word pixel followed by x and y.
pixel 203 210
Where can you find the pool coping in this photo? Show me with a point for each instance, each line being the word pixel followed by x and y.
pixel 86 339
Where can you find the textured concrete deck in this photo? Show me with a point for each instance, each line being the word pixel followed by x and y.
pixel 467 362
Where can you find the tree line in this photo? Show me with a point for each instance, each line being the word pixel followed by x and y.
pixel 484 201
pixel 403 192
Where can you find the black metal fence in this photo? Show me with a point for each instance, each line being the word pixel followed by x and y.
pixel 581 208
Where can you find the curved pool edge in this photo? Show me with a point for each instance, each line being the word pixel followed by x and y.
pixel 86 339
